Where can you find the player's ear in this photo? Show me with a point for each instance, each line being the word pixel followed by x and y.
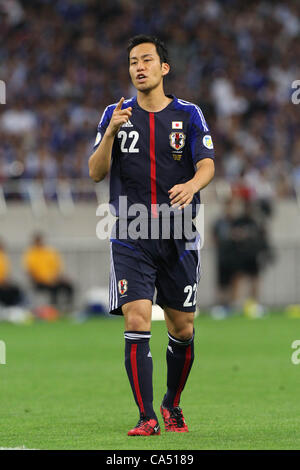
pixel 165 68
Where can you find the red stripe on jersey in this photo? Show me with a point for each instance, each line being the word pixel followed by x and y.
pixel 153 165
pixel 187 362
pixel 135 377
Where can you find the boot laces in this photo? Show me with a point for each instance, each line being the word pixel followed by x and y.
pixel 143 423
pixel 176 417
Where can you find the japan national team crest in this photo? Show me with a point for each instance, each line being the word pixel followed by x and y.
pixel 122 285
pixel 177 140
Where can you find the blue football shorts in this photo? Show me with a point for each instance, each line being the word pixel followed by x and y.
pixel 171 265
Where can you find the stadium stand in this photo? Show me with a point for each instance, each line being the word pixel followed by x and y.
pixel 64 61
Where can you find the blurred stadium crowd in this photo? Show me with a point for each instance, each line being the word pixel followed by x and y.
pixel 64 61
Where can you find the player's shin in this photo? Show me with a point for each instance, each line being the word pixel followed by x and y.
pixel 180 357
pixel 139 367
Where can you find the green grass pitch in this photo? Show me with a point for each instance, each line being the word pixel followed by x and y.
pixel 64 386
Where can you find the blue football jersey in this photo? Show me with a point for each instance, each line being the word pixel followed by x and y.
pixel 154 151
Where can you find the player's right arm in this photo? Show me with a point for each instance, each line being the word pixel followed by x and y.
pixel 99 161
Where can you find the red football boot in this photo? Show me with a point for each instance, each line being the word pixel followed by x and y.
pixel 145 427
pixel 173 419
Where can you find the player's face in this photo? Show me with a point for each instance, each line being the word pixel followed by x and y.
pixel 145 69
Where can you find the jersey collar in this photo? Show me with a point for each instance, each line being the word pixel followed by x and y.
pixel 170 105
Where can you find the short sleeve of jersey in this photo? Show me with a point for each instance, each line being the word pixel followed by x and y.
pixel 200 138
pixel 102 126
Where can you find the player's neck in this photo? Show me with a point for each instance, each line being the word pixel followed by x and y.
pixel 154 100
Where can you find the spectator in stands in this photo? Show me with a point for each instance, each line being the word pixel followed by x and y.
pixel 251 253
pixel 225 259
pixel 44 266
pixel 10 293
pixel 243 251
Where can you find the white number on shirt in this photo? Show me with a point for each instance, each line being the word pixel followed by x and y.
pixel 189 291
pixel 134 135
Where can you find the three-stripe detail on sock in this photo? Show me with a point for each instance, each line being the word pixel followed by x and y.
pixel 179 341
pixel 136 336
pixel 113 291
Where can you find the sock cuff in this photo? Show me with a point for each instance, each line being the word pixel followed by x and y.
pixel 179 342
pixel 134 336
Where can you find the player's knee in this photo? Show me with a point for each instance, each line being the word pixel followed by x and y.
pixel 185 332
pixel 137 324
pixel 137 319
pixel 185 335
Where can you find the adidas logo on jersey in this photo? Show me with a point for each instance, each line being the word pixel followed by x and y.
pixel 127 124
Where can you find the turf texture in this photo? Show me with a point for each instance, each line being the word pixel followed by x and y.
pixel 64 386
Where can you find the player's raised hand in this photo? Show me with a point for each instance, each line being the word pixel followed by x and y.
pixel 181 195
pixel 120 116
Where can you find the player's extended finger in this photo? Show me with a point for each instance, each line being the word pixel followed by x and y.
pixel 119 105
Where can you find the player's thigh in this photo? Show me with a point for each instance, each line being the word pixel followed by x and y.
pixel 132 277
pixel 178 278
pixel 180 324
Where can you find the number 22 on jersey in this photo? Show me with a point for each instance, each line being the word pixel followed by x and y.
pixel 129 141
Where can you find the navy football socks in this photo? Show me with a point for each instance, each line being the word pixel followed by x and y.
pixel 139 367
pixel 180 357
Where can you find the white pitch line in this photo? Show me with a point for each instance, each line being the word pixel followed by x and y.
pixel 16 448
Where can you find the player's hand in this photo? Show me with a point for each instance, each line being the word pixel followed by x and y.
pixel 120 116
pixel 181 195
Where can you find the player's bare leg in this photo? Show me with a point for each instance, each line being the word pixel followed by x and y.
pixel 138 363
pixel 137 315
pixel 180 324
pixel 180 357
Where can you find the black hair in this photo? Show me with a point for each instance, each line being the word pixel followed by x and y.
pixel 160 46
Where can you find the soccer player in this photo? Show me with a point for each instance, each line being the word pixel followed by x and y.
pixel 158 150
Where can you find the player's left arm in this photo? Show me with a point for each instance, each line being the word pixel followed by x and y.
pixel 181 195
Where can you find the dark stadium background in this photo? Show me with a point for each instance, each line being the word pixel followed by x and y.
pixel 62 62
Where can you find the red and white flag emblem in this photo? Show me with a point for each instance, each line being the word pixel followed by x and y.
pixel 177 124
pixel 122 286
